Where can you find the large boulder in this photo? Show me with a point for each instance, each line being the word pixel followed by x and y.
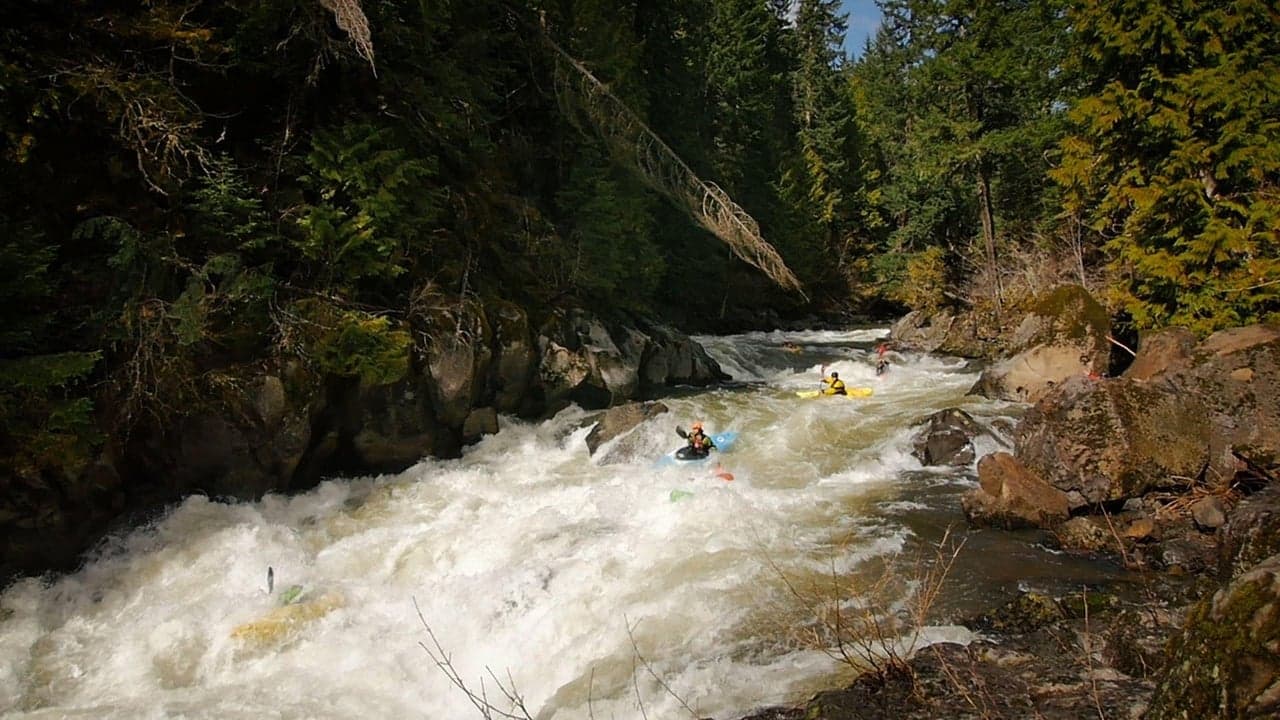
pixel 1161 350
pixel 584 361
pixel 1252 533
pixel 673 358
pixel 921 331
pixel 392 426
pixel 946 438
pixel 245 436
pixel 1114 439
pixel 1063 335
pixel 1235 375
pixel 455 356
pixel 1225 662
pixel 514 359
pixel 580 363
pixel 1009 496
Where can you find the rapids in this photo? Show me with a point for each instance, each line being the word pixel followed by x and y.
pixel 582 586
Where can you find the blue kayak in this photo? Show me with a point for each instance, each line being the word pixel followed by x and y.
pixel 723 442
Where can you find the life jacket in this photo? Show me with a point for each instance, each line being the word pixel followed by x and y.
pixel 837 386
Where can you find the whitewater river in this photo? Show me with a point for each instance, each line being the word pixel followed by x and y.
pixel 582 586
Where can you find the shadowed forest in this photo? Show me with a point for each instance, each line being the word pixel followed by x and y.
pixel 188 185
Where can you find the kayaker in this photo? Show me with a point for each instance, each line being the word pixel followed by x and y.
pixel 700 445
pixel 882 362
pixel 835 386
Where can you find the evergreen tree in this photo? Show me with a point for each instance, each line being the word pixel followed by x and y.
pixel 963 100
pixel 1175 158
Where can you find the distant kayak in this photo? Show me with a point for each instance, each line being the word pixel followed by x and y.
pixel 853 392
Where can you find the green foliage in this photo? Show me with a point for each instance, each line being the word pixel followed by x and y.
pixel 611 259
pixel 917 280
pixel 225 210
pixel 24 283
pixel 373 210
pixel 46 422
pixel 955 96
pixel 1175 159
pixel 351 343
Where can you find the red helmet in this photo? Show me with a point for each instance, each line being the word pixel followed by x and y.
pixel 697 425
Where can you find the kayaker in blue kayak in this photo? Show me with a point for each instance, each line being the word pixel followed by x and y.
pixel 700 445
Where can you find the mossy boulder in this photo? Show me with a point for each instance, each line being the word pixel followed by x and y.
pixel 1235 375
pixel 1114 439
pixel 1225 663
pixel 1062 336
pixel 1251 534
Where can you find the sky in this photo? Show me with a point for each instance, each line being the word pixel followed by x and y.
pixel 864 17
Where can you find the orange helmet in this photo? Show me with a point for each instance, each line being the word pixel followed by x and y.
pixel 697 425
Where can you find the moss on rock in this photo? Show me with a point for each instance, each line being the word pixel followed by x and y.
pixel 1226 661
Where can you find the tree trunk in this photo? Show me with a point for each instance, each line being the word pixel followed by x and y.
pixel 989 234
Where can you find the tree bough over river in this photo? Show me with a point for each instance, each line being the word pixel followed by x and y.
pixel 580 584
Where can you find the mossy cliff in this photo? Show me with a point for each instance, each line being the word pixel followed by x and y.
pixel 345 392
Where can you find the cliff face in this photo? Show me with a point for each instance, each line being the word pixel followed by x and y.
pixel 282 426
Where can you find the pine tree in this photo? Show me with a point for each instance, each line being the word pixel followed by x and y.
pixel 1175 158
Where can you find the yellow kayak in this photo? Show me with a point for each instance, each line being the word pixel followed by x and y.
pixel 853 392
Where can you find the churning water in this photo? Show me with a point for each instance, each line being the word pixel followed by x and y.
pixel 584 587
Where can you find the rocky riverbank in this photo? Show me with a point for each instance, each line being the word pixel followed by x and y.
pixel 1165 465
pixel 280 425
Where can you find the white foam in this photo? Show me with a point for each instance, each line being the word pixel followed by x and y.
pixel 524 557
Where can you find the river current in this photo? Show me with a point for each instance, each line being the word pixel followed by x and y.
pixel 528 565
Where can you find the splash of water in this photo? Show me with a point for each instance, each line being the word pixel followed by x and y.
pixel 578 583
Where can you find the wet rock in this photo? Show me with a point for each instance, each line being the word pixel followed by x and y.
pixel 455 357
pixel 1026 613
pixel 1190 553
pixel 620 420
pixel 1209 513
pixel 388 427
pixel 1084 533
pixel 585 362
pixel 514 359
pixel 1252 533
pixel 946 438
pixel 482 421
pixel 1115 439
pixel 672 358
pixel 1010 496
pixel 1225 663
pixel 1161 350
